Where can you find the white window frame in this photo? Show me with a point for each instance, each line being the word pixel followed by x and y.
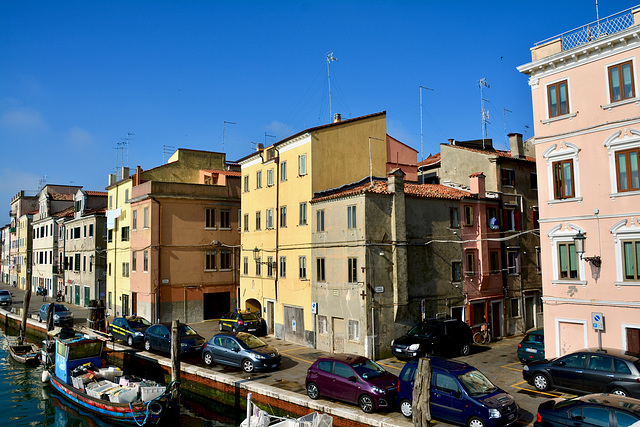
pixel 354 330
pixel 614 144
pixel 269 219
pixel 270 177
pixel 302 164
pixel 560 234
pixel 611 103
pixel 558 152
pixel 622 231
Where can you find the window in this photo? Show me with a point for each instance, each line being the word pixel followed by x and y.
pixel 563 186
pixel 146 217
pixel 270 178
pixel 245 266
pixel 515 307
pixel 320 220
pixel 322 324
pixel 303 213
pixel 538 260
pixel 84 263
pixel 535 218
pixel 533 178
pixel 471 263
pixel 258 221
pixel 84 231
pixel 283 266
pixel 109 268
pixel 225 260
pixel 76 263
pixel 621 85
pixel 259 179
pixel 246 222
pixel 510 219
pixel 246 183
pixel 283 216
pixel 558 97
pixel 258 265
pixel 352 267
pixel 302 267
pixel 124 234
pixel 269 219
pixel 110 202
pixel 354 330
pixel 283 171
pixel 495 262
pixel 209 218
pixel 468 215
pixel 513 262
pixel 210 260
pixel 134 260
pixel 351 217
pixel 302 164
pixel 454 218
pixel 508 177
pixel 270 266
pixel 567 260
pixel 627 170
pixel 76 232
pixel 320 269
pixel 493 218
pixel 225 218
pixel 145 261
pixel 631 260
pixel 90 230
pixel 125 269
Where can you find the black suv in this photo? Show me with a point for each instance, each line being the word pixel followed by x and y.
pixel 434 336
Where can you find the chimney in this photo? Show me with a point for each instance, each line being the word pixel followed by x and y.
pixel 259 146
pixel 517 147
pixel 476 184
pixel 396 181
pixel 452 141
pixel 337 118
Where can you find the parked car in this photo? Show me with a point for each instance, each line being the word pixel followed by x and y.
pixel 460 394
pixel 589 410
pixel 241 349
pixel 588 371
pixel 443 336
pixel 241 321
pixel 531 348
pixel 352 378
pixel 61 314
pixel 5 297
pixel 158 337
pixel 130 329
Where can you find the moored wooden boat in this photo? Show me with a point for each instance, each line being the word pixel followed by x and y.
pixel 27 354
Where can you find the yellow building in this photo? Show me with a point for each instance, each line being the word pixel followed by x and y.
pixel 278 183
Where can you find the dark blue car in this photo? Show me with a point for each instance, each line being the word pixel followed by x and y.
pixel 460 394
pixel 158 337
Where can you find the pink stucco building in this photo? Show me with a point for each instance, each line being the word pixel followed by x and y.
pixel 584 87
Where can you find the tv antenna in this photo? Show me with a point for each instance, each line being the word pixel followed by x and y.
pixel 504 115
pixel 485 114
pixel 421 137
pixel 330 59
pixel 42 182
pixel 265 138
pixel 167 149
pixel 224 124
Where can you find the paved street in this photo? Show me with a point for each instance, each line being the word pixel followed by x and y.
pixel 497 360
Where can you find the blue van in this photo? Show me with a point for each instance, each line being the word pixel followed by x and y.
pixel 460 394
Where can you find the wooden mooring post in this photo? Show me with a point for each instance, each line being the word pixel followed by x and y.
pixel 422 394
pixel 175 354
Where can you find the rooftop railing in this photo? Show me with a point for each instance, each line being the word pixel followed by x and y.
pixel 594 30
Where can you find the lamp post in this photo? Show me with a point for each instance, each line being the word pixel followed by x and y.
pixel 579 240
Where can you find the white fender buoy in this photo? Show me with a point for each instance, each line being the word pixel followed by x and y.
pixel 45 376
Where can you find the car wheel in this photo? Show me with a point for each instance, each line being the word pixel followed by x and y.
pixel 248 366
pixel 475 422
pixel 541 382
pixel 366 403
pixel 619 392
pixel 147 345
pixel 208 359
pixel 406 408
pixel 130 341
pixel 220 326
pixel 465 349
pixel 313 391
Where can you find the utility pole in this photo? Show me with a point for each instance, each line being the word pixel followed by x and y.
pixel 330 58
pixel 485 114
pixel 224 124
pixel 506 140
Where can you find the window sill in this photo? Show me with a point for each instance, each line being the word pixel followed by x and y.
pixel 560 201
pixel 620 103
pixel 569 282
pixel 210 270
pixel 629 283
pixel 558 118
pixel 624 194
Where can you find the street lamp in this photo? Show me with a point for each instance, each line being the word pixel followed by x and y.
pixel 579 240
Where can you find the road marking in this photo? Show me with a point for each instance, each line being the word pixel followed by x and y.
pixel 297 358
pixel 293 349
pixel 513 369
pixel 391 366
pixel 516 385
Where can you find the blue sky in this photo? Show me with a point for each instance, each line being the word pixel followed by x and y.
pixel 77 76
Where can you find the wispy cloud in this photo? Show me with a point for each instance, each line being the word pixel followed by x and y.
pixel 280 130
pixel 79 138
pixel 22 120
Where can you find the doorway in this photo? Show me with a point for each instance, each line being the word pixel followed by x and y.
pixel 270 316
pixel 338 334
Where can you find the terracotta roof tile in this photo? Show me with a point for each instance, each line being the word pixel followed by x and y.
pixel 69 212
pixel 499 153
pixel 61 196
pixel 431 191
pixel 430 160
pixel 96 193
pixel 228 173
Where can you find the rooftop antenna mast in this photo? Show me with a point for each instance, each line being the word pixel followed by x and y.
pixel 485 114
pixel 421 135
pixel 224 124
pixel 42 182
pixel 330 58
pixel 167 149
pixel 265 138
pixel 504 114
pixel 598 18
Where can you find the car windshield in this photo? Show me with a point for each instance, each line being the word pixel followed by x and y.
pixel 60 307
pixel 475 383
pixel 186 330
pixel 368 369
pixel 138 322
pixel 4 293
pixel 421 330
pixel 249 341
pixel 249 316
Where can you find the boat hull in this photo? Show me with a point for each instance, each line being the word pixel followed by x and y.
pixel 135 413
pixel 25 354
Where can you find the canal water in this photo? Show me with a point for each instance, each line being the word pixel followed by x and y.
pixel 26 401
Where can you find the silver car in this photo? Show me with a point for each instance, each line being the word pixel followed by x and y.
pixel 5 298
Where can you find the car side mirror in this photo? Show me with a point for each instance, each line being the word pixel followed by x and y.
pixel 455 393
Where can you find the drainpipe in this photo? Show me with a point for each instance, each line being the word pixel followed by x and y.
pixel 158 276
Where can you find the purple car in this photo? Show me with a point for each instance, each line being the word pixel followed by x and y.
pixel 353 379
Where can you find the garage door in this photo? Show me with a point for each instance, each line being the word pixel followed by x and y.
pixel 571 337
pixel 294 324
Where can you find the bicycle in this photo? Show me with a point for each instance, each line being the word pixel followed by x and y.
pixel 483 336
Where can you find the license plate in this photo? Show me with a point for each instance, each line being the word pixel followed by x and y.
pixel 512 416
pixel 531 350
pixel 251 330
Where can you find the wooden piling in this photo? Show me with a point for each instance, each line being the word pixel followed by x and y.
pixel 25 315
pixel 175 352
pixel 422 394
